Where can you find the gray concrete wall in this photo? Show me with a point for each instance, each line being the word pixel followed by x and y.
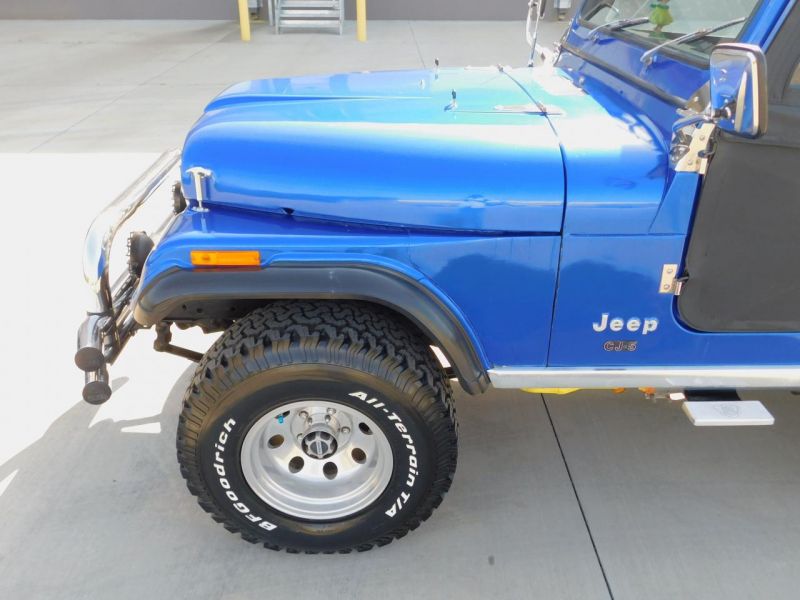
pixel 504 10
pixel 117 9
pixel 226 9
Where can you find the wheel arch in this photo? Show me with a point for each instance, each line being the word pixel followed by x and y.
pixel 191 295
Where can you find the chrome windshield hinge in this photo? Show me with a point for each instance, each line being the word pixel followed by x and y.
pixel 692 147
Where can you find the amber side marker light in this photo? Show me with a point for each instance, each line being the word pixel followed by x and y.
pixel 226 258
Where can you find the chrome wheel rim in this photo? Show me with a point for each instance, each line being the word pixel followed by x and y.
pixel 316 460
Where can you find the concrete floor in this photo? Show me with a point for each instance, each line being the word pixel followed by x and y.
pixel 119 86
pixel 592 495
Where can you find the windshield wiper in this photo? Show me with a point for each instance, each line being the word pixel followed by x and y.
pixel 649 56
pixel 617 25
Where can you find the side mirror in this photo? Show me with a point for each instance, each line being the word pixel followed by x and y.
pixel 738 87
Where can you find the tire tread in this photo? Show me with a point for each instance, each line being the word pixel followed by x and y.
pixel 352 334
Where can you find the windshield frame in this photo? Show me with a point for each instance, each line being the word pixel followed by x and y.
pixel 673 52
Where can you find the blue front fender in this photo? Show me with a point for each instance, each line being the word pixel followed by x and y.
pixel 177 291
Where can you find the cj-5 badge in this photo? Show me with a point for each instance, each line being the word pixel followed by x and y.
pixel 621 346
pixel 633 324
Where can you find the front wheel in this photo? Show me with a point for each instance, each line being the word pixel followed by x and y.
pixel 319 427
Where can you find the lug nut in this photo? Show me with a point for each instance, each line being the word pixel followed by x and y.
pixel 303 414
pixel 345 430
pixel 331 411
pixel 327 418
pixel 299 437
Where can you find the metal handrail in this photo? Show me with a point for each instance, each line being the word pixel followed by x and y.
pixel 99 238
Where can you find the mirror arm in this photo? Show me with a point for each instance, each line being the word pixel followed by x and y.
pixel 692 120
pixel 707 116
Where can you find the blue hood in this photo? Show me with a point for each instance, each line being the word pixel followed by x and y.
pixel 389 148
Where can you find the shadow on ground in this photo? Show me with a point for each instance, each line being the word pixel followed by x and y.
pixel 102 512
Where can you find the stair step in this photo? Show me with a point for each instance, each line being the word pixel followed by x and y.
pixel 332 4
pixel 310 23
pixel 309 13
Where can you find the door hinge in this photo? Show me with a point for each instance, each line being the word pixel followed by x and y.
pixel 680 282
pixel 668 275
pixel 670 282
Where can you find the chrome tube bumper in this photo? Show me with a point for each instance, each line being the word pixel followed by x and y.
pixel 109 322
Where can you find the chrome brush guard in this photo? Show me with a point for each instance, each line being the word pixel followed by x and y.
pixel 109 323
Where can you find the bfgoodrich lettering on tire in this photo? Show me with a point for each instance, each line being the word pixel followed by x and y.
pixel 319 427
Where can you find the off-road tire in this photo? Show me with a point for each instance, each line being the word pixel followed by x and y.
pixel 295 348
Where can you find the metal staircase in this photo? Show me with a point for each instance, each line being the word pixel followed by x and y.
pixel 309 14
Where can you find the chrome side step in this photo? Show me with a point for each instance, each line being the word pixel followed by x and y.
pixel 726 413
pixel 728 377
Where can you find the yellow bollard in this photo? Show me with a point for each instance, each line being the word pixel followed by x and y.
pixel 244 20
pixel 361 20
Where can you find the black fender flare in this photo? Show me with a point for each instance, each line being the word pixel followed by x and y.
pixel 165 294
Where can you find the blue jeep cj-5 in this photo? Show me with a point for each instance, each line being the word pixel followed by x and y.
pixel 624 214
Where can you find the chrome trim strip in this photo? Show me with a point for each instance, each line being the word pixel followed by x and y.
pixel 100 236
pixel 657 377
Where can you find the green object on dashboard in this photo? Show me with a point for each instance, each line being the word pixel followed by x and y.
pixel 660 15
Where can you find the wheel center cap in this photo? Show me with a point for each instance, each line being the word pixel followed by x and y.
pixel 319 444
